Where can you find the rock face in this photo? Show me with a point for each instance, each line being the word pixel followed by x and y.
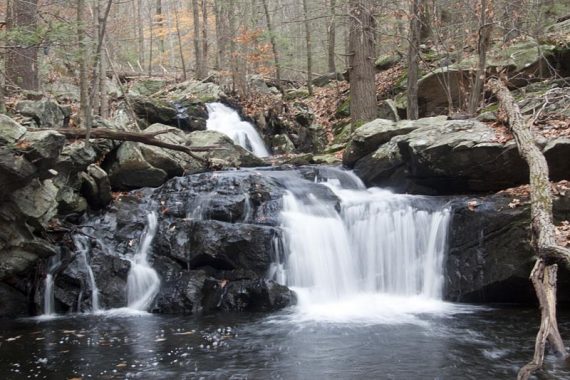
pixel 489 257
pixel 443 157
pixel 212 251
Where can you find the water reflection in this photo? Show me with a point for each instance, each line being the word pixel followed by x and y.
pixel 481 344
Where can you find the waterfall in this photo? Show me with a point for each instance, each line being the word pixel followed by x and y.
pixel 82 247
pixel 227 121
pixel 143 283
pixel 378 251
pixel 54 263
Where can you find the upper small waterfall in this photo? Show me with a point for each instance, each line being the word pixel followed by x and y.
pixel 143 282
pixel 225 120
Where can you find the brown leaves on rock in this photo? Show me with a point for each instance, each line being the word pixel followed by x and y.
pixel 548 126
pixel 521 194
pixel 563 233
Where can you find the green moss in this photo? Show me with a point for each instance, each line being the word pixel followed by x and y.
pixel 386 61
pixel 344 109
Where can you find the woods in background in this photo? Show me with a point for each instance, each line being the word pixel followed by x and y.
pixel 293 40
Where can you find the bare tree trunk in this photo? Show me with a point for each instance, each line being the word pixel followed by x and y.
pixel 363 105
pixel 233 53
pixel 151 41
pixel 140 33
pixel 199 69
pixel 413 55
pixel 272 40
pixel 22 62
pixel 331 38
pixel 160 23
pixel 221 22
pixel 102 74
pixel 181 50
pixel 549 253
pixel 85 108
pixel 2 93
pixel 485 28
pixel 309 47
pixel 205 46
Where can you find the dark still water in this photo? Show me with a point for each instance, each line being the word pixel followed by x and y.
pixel 469 343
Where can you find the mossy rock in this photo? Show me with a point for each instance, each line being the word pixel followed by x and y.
pixel 386 61
pixel 326 159
pixel 344 109
pixel 297 93
pixel 147 87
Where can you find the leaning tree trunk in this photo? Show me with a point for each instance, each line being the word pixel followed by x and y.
pixel 549 253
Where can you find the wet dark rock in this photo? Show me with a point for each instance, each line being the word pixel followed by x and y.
pixel 219 245
pixel 181 292
pixel 557 153
pixel 490 256
pixel 13 303
pixel 248 295
pixel 214 245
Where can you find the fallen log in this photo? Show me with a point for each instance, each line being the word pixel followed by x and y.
pixel 143 138
pixel 549 253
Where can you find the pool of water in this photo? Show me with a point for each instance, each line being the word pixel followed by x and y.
pixel 460 343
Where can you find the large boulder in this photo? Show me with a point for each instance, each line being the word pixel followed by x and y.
pixel 10 131
pixel 42 147
pixel 368 137
pixel 15 171
pixel 96 187
pixel 219 245
pixel 43 113
pixel 187 115
pixel 37 201
pixel 455 156
pixel 174 163
pixel 128 169
pixel 490 256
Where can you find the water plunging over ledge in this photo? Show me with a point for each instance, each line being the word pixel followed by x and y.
pixel 225 120
pixel 143 282
pixel 379 256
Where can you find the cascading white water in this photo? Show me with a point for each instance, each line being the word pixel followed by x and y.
pixel 223 119
pixel 380 253
pixel 49 298
pixel 143 282
pixel 82 246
